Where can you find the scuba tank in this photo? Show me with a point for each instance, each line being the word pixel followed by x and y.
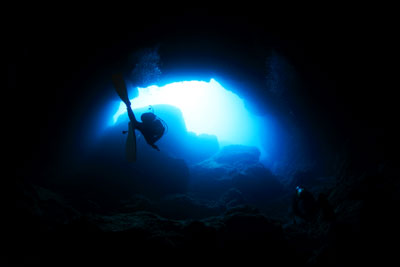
pixel 157 125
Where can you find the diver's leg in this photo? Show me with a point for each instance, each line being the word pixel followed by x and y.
pixel 132 117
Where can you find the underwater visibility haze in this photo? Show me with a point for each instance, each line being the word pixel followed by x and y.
pixel 200 132
pixel 207 108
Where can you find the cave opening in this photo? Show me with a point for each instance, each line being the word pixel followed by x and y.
pixel 308 123
pixel 207 109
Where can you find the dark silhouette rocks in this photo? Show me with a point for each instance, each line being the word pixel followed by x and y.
pixel 186 207
pixel 250 230
pixel 304 204
pixel 238 155
pixel 235 167
pixel 327 211
pixel 199 235
pixel 258 184
pixel 232 198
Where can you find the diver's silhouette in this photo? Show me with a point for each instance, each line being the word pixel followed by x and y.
pixel 304 204
pixel 151 128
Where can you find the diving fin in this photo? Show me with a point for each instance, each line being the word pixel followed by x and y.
pixel 131 144
pixel 120 87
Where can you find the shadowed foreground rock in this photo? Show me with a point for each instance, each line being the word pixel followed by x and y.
pixel 125 235
pixel 235 167
pixel 49 228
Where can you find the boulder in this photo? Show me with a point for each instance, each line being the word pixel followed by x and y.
pixel 183 206
pixel 238 155
pixel 232 198
pixel 258 184
pixel 235 167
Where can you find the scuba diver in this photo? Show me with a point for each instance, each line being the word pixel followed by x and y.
pixel 151 127
pixel 304 204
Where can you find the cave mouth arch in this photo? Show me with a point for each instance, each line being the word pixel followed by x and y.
pixel 207 108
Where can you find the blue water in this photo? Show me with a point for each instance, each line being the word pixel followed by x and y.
pixel 207 108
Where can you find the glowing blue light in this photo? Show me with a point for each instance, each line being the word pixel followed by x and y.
pixel 207 108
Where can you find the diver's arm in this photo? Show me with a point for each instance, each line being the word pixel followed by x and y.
pixel 150 142
pixel 155 147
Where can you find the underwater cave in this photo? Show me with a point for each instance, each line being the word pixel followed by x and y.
pixel 269 148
